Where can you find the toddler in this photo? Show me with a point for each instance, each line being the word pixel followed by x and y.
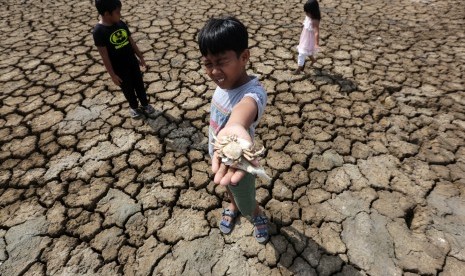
pixel 309 38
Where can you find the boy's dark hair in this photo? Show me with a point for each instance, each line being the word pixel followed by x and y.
pixel 313 8
pixel 107 6
pixel 223 34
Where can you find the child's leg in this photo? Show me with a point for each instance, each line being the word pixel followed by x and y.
pixel 257 211
pixel 313 59
pixel 300 63
pixel 232 207
pixel 244 195
pixel 128 91
pixel 301 60
pixel 139 87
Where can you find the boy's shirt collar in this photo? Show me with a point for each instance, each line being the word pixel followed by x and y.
pixel 108 24
pixel 251 78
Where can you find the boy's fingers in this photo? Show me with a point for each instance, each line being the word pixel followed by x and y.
pixel 220 174
pixel 238 175
pixel 215 163
pixel 226 180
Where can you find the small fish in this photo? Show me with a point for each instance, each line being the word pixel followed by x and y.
pixel 245 165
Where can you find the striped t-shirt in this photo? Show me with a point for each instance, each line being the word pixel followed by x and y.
pixel 224 100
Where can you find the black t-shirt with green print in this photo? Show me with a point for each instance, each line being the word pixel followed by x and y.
pixel 116 39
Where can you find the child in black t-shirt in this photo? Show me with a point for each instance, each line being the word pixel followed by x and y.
pixel 118 50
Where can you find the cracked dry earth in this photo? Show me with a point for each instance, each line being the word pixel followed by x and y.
pixel 366 149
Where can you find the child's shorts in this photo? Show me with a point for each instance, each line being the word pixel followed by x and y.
pixel 244 195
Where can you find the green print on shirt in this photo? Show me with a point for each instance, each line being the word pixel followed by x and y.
pixel 119 38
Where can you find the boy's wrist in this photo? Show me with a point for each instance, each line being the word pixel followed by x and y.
pixel 234 124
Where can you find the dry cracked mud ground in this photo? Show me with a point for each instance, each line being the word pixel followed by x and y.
pixel 366 150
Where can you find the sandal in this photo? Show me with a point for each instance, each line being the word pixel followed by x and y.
pixel 261 228
pixel 227 226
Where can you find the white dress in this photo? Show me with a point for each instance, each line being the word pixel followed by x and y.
pixel 307 39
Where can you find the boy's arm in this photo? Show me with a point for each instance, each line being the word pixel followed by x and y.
pixel 242 117
pixel 137 52
pixel 102 50
pixel 244 113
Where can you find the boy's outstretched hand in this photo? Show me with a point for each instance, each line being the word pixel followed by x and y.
pixel 225 175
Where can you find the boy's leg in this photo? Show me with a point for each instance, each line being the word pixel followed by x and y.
pixel 139 87
pixel 244 195
pixel 232 206
pixel 128 91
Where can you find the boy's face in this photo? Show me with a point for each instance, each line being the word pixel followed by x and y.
pixel 114 16
pixel 226 69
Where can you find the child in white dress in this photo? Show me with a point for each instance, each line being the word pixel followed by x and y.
pixel 309 39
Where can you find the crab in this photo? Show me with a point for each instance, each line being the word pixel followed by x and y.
pixel 233 148
pixel 238 153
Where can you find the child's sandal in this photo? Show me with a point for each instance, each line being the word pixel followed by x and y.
pixel 225 225
pixel 261 228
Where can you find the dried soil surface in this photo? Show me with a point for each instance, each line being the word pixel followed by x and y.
pixel 366 149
